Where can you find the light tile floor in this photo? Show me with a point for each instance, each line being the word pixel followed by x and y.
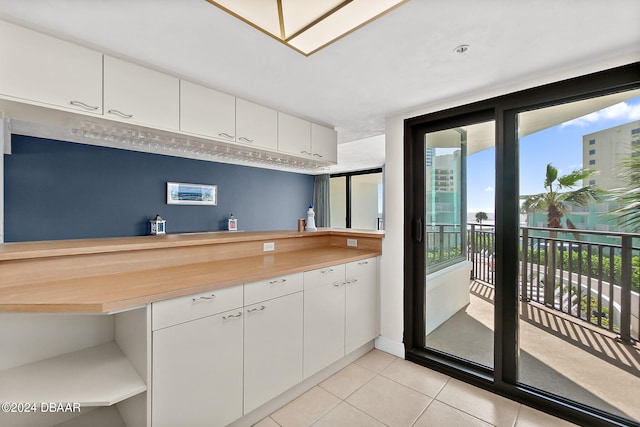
pixel 382 390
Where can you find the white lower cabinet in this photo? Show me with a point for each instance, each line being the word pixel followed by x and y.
pixel 340 306
pixel 197 364
pixel 272 349
pixel 197 372
pixel 361 303
pixel 209 368
pixel 324 317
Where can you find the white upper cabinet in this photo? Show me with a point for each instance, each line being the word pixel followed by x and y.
pixel 256 125
pixel 139 95
pixel 324 143
pixel 42 69
pixel 207 112
pixel 294 135
pixel 302 138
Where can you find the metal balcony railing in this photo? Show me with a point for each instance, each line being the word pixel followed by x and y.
pixel 590 275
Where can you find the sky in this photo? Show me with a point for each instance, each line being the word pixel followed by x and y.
pixel 560 145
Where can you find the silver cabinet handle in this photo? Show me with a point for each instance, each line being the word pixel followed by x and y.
pixel 351 281
pixel 338 284
pixel 229 316
pixel 326 271
pixel 204 298
pixel 121 114
pixel 243 139
pixel 83 105
pixel 274 282
pixel 317 155
pixel 305 152
pixel 251 310
pixel 363 263
pixel 226 135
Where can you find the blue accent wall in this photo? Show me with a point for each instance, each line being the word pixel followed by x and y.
pixel 62 190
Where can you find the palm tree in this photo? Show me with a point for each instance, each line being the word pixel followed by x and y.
pixel 481 216
pixel 629 197
pixel 554 201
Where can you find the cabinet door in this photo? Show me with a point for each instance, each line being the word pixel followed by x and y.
pixel 136 94
pixel 324 310
pixel 197 372
pixel 256 125
pixel 361 303
pixel 47 70
pixel 324 143
pixel 294 135
pixel 207 112
pixel 272 349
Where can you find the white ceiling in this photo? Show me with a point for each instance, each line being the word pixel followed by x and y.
pixel 402 61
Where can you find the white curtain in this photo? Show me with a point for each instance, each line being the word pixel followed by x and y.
pixel 321 197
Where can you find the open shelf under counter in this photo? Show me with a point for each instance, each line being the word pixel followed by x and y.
pixel 98 417
pixel 96 376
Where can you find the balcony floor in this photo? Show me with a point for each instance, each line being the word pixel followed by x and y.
pixel 558 353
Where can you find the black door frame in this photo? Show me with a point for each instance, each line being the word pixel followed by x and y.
pixel 504 110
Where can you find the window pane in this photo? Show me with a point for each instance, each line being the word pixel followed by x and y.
pixel 366 201
pixel 459 310
pixel 443 198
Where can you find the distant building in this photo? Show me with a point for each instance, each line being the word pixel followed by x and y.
pixel 602 151
pixel 606 149
pixel 442 179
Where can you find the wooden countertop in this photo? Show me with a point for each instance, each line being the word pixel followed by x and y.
pixel 26 250
pixel 120 290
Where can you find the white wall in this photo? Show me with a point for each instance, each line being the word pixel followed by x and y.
pixel 447 293
pixel 391 268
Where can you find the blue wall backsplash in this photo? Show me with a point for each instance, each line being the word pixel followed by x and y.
pixel 62 190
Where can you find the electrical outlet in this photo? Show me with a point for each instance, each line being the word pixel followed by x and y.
pixel 269 246
pixel 352 242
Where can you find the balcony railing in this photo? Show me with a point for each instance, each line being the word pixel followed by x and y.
pixel 580 273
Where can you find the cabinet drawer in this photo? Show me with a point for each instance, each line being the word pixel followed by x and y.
pixel 272 288
pixel 191 307
pixel 322 276
pixel 365 269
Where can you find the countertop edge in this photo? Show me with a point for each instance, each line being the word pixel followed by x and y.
pixel 57 248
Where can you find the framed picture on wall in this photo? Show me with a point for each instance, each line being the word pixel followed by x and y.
pixel 179 193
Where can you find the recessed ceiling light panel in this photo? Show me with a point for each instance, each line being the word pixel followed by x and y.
pixel 307 26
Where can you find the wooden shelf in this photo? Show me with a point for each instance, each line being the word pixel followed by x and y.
pixel 97 376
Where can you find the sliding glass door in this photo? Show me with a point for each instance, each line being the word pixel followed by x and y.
pixel 458 309
pixel 532 293
pixel 578 290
